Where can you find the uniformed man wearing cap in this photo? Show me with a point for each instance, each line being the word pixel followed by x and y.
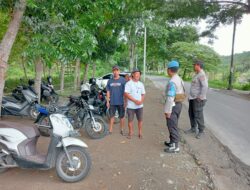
pixel 197 99
pixel 175 94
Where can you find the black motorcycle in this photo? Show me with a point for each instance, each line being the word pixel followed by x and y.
pixel 47 92
pixel 80 114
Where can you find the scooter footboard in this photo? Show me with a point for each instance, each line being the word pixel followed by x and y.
pixel 69 141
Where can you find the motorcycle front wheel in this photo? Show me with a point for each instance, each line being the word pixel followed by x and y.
pixel 80 167
pixel 33 113
pixel 116 120
pixel 97 131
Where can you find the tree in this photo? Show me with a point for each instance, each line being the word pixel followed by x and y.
pixel 186 53
pixel 8 41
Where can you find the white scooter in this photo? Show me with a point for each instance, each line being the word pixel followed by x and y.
pixel 67 153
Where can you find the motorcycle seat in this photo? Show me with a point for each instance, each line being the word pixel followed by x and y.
pixel 29 132
pixel 10 99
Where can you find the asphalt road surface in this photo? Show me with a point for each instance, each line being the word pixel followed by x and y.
pixel 228 118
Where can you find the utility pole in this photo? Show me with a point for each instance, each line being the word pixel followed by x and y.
pixel 230 82
pixel 144 61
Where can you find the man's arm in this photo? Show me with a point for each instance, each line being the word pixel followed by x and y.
pixel 128 96
pixel 108 94
pixel 170 95
pixel 204 87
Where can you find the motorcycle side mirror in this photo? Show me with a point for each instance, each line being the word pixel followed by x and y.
pixel 49 79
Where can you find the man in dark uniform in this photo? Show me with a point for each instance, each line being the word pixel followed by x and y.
pixel 197 99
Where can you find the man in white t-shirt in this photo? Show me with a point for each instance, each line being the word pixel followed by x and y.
pixel 135 94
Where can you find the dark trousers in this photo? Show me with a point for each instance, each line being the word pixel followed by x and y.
pixel 172 123
pixel 195 112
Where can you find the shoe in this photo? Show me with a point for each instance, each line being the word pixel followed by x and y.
pixel 189 131
pixel 172 149
pixel 140 136
pixel 168 144
pixel 198 136
pixel 110 133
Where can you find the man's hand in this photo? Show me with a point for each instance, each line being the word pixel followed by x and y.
pixel 108 104
pixel 138 102
pixel 125 104
pixel 198 99
pixel 167 115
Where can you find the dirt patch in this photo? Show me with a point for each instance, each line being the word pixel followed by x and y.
pixel 120 163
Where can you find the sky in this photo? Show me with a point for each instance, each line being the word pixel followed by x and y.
pixel 223 45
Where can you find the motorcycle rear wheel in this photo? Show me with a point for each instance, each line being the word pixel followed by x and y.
pixel 44 120
pixel 33 113
pixel 54 98
pixel 99 131
pixel 81 164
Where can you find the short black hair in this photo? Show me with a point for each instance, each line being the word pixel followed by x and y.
pixel 199 62
pixel 174 69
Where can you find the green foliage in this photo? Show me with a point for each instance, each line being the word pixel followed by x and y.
pixel 61 31
pixel 241 67
pixel 4 21
pixel 186 53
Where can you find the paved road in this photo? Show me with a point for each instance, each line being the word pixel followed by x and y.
pixel 227 117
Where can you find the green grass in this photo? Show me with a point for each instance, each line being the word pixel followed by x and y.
pixel 223 85
pixel 217 84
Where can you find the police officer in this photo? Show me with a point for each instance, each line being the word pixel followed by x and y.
pixel 172 109
pixel 197 99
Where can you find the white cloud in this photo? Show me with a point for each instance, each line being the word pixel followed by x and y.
pixel 223 45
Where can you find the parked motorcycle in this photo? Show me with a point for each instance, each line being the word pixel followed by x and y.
pixel 66 153
pixel 80 114
pixel 47 91
pixel 22 106
pixel 17 92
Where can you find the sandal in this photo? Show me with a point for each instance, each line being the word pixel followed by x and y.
pixel 129 137
pixel 140 136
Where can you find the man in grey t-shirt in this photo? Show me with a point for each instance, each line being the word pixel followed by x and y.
pixel 197 99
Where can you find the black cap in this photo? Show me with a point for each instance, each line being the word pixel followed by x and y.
pixel 135 70
pixel 115 67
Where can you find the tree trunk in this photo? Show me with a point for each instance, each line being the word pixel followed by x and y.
pixel 8 41
pixel 77 74
pixel 131 56
pixel 38 77
pixel 44 71
pixel 94 70
pixel 184 73
pixel 24 68
pixel 85 76
pixel 62 77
